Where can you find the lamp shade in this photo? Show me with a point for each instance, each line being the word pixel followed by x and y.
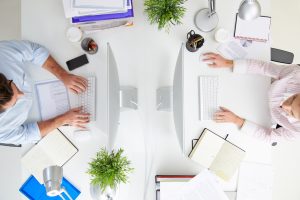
pixel 249 10
pixel 52 179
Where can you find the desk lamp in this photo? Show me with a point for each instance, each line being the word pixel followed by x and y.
pixel 207 19
pixel 249 10
pixel 52 180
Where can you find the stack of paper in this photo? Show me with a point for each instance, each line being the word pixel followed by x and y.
pixel 86 11
pixel 203 187
pixel 255 181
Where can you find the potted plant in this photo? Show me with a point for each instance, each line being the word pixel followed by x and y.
pixel 165 12
pixel 107 171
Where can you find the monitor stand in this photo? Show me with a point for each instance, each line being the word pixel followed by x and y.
pixel 164 98
pixel 128 98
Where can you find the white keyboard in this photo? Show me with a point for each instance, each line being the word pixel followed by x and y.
pixel 88 99
pixel 208 97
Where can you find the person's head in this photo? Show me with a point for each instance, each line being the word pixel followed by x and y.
pixel 9 93
pixel 292 106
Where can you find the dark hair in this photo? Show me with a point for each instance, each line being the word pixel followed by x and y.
pixel 6 91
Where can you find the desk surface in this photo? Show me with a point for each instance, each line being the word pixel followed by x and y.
pixel 146 59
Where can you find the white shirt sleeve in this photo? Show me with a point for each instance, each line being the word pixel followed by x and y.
pixel 25 51
pixel 263 68
pixel 267 134
pixel 26 133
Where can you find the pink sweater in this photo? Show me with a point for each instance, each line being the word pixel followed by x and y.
pixel 286 84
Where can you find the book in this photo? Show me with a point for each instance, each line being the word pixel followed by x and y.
pixel 102 4
pixel 101 17
pixel 217 154
pixel 256 30
pixel 53 149
pixel 33 190
pixel 170 178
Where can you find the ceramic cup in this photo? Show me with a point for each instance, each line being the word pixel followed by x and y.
pixel 222 35
pixel 74 34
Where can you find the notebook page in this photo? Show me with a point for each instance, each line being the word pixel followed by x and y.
pixel 257 29
pixel 227 161
pixel 35 161
pixel 57 147
pixel 207 148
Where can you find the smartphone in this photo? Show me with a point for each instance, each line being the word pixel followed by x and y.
pixel 77 62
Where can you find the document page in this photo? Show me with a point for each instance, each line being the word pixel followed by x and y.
pixel 53 98
pixel 203 187
pixel 255 181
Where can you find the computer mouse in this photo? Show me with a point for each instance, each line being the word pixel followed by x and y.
pixel 82 135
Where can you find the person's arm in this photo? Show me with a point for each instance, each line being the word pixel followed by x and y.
pixel 249 66
pixel 74 117
pixel 33 132
pixel 253 129
pixel 266 133
pixel 76 84
pixel 26 133
pixel 26 51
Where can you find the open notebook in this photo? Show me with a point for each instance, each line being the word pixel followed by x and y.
pixel 53 149
pixel 216 153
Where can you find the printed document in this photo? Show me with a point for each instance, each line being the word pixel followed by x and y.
pixel 53 98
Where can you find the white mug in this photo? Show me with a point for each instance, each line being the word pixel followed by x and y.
pixel 221 35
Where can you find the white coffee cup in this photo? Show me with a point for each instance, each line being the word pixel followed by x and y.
pixel 74 34
pixel 221 35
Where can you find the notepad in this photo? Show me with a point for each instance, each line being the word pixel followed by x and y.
pixel 256 30
pixel 53 149
pixel 219 155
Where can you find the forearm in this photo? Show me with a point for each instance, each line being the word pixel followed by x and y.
pixel 52 66
pixel 49 125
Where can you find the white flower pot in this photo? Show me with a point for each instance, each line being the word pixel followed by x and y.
pixel 107 194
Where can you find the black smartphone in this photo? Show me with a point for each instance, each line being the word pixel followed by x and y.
pixel 77 62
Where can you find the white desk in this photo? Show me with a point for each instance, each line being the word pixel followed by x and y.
pixel 146 59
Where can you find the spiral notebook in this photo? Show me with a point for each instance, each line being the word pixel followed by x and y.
pixel 255 30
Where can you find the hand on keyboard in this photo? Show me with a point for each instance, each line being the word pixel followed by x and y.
pixel 217 61
pixel 75 117
pixel 76 84
pixel 225 115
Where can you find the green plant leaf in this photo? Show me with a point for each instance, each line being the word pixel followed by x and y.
pixel 165 12
pixel 109 169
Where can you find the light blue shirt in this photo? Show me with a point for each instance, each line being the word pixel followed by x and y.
pixel 13 58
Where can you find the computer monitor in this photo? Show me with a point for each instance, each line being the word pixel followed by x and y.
pixel 117 98
pixel 172 99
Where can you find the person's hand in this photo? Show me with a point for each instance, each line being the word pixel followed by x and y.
pixel 74 117
pixel 76 84
pixel 217 61
pixel 226 115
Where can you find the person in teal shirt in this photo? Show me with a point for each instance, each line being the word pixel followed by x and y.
pixel 16 96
